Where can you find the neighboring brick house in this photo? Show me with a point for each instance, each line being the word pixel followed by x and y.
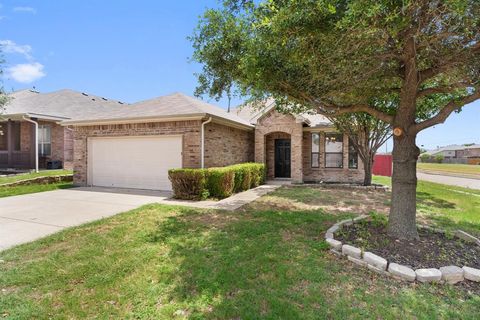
pixel 112 144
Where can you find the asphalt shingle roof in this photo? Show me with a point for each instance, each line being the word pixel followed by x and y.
pixel 80 107
pixel 252 113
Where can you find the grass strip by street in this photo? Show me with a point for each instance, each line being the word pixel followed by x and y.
pixel 267 260
pixel 461 170
pixel 445 206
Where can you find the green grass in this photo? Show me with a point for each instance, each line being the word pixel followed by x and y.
pixel 27 176
pixel 267 261
pixel 446 206
pixel 461 169
pixel 33 188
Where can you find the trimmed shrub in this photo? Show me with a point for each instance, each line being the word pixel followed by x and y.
pixel 189 184
pixel 258 174
pixel 220 182
pixel 198 184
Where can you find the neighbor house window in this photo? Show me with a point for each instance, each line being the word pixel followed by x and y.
pixel 352 155
pixel 44 140
pixel 315 150
pixel 3 136
pixel 333 150
pixel 15 127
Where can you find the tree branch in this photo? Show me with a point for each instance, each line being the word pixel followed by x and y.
pixel 329 110
pixel 443 114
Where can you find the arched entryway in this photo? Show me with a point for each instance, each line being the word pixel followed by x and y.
pixel 278 151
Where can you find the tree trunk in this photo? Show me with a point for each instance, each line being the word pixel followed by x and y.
pixel 402 219
pixel 367 167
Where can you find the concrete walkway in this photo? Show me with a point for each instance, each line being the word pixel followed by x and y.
pixel 450 180
pixel 29 217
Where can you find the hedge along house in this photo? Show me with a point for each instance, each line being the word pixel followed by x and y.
pixel 302 148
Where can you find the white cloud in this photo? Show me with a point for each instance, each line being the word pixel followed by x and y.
pixel 26 72
pixel 25 9
pixel 8 46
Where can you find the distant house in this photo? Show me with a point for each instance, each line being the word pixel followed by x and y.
pixel 448 152
pixel 457 154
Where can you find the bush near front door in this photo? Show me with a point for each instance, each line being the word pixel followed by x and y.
pixel 199 184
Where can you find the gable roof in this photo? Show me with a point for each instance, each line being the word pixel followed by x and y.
pixel 252 113
pixel 61 105
pixel 453 147
pixel 72 107
pixel 176 105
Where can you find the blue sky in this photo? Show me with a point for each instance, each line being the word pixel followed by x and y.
pixel 130 51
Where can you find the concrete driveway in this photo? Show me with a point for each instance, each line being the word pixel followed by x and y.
pixel 28 217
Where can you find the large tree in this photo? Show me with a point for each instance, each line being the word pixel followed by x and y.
pixel 337 56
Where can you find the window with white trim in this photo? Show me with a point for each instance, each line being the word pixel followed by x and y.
pixel 44 140
pixel 333 150
pixel 315 150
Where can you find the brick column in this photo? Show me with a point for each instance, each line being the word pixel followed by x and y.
pixel 297 153
pixel 259 147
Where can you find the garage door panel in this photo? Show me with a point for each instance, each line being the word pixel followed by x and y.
pixel 134 162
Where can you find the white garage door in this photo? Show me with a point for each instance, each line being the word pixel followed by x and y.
pixel 133 162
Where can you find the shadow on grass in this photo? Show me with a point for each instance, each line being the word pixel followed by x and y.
pixel 425 198
pixel 261 264
pixel 450 224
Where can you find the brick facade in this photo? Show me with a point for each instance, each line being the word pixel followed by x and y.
pixel 275 125
pixel 223 145
pixel 61 142
pixel 344 175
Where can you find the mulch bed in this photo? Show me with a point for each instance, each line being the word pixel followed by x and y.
pixel 432 250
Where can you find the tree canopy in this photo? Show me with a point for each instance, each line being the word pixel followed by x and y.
pixel 341 56
pixel 409 63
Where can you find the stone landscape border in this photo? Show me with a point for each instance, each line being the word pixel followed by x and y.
pixel 447 274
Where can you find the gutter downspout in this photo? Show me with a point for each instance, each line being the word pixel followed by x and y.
pixel 36 140
pixel 202 150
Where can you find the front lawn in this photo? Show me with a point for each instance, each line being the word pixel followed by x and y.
pixel 447 207
pixel 28 176
pixel 447 168
pixel 266 261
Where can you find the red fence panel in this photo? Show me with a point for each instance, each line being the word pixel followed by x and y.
pixel 382 165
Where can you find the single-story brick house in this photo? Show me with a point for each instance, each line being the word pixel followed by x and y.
pixel 114 144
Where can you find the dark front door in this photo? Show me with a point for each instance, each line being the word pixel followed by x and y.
pixel 282 158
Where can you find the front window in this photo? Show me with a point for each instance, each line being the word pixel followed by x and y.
pixel 352 155
pixel 333 150
pixel 10 130
pixel 3 136
pixel 315 150
pixel 44 140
